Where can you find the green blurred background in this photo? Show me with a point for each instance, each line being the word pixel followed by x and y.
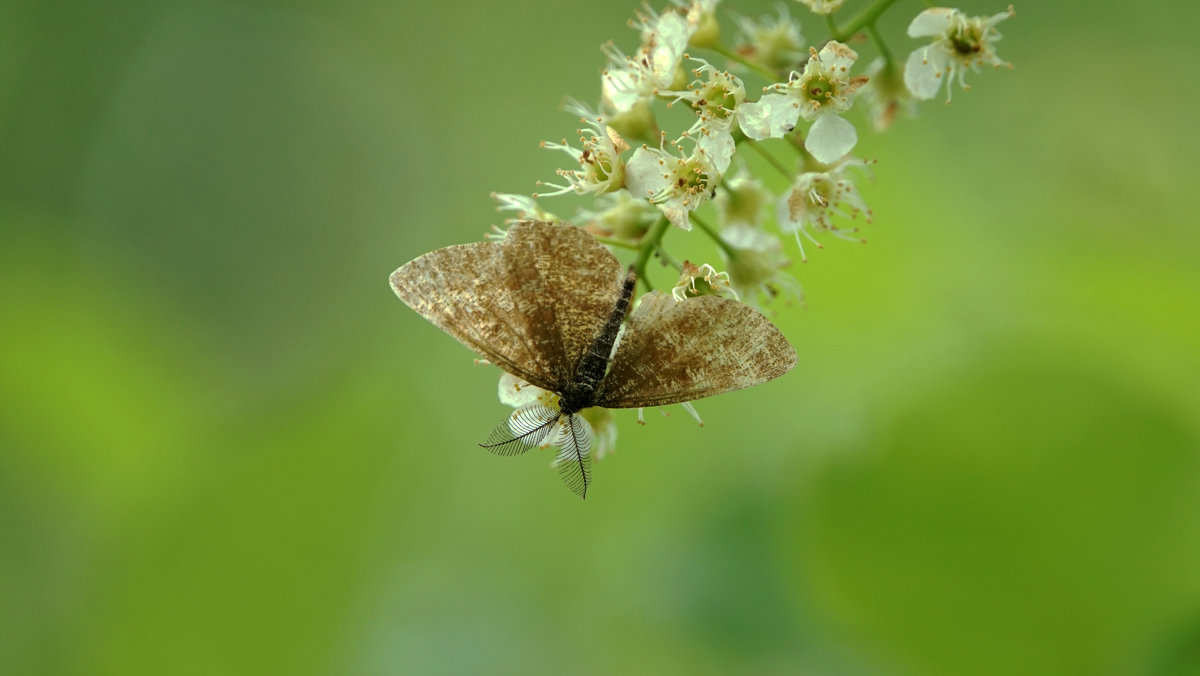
pixel 226 448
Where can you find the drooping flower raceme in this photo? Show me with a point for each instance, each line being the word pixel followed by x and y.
pixel 815 198
pixel 639 170
pixel 820 94
pixel 959 43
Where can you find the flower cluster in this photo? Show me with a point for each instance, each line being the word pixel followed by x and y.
pixel 792 105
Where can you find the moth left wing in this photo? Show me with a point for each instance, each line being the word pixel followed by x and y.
pixel 675 351
pixel 462 290
pixel 565 285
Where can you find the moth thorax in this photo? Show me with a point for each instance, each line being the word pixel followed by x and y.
pixel 577 396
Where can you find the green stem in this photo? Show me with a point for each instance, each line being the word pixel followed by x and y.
pixel 716 236
pixel 881 46
pixel 787 173
pixel 756 67
pixel 832 25
pixel 668 258
pixel 863 19
pixel 648 245
pixel 809 161
pixel 619 243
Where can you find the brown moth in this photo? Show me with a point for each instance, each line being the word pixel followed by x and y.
pixel 547 305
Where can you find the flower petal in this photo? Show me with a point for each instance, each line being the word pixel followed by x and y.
pixel 718 145
pixel 830 137
pixel 933 21
pixel 644 173
pixel 923 72
pixel 772 116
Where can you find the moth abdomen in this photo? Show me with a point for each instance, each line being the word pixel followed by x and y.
pixel 580 392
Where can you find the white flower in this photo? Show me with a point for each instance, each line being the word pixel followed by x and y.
pixel 665 35
pixel 886 94
pixel 959 43
pixel 755 265
pixel 823 6
pixel 680 184
pixel 774 42
pixel 604 430
pixel 601 167
pixel 714 95
pixel 743 199
pixel 618 214
pixel 630 80
pixel 819 94
pixel 517 393
pixel 703 28
pixel 815 198
pixel 526 207
pixel 714 282
pixel 627 81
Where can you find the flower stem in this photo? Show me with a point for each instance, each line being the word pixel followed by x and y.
pixel 863 19
pixel 662 252
pixel 881 46
pixel 716 236
pixel 787 173
pixel 619 243
pixel 756 67
pixel 649 243
pixel 831 23
pixel 798 144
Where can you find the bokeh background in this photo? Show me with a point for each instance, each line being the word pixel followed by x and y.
pixel 226 448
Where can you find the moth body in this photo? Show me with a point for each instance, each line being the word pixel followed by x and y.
pixel 580 392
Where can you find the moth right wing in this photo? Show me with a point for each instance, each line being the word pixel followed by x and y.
pixel 676 351
pixel 463 291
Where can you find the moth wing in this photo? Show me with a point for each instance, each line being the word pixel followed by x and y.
pixel 457 290
pixel 530 304
pixel 565 285
pixel 673 352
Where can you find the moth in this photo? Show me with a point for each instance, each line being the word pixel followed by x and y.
pixel 550 305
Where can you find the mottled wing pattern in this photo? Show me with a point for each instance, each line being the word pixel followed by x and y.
pixel 673 352
pixel 463 291
pixel 565 284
